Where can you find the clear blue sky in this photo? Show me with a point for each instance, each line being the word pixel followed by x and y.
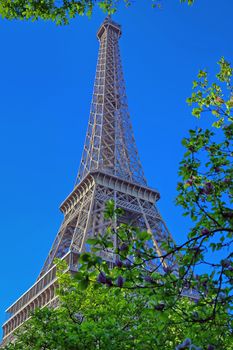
pixel 46 83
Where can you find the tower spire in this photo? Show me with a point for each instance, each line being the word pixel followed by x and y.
pixel 110 145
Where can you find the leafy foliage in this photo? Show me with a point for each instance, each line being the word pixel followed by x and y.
pixel 59 11
pixel 153 298
pixel 100 316
pixel 206 189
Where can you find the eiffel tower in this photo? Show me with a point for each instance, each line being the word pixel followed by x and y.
pixel 110 169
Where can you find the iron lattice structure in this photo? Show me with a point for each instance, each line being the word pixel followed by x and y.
pixel 110 169
pixel 110 145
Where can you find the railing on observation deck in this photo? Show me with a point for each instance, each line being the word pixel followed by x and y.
pixel 41 284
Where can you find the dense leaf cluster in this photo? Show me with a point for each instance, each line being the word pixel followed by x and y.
pixel 60 11
pixel 174 296
pixel 98 315
pixel 206 189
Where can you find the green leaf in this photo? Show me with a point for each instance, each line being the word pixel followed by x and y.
pixel 83 284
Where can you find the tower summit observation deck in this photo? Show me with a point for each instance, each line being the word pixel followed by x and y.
pixel 110 169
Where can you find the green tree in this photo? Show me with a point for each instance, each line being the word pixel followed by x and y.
pixel 152 300
pixel 59 11
pixel 206 189
pixel 98 316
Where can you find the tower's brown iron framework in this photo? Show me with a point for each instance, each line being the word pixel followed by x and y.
pixel 110 169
